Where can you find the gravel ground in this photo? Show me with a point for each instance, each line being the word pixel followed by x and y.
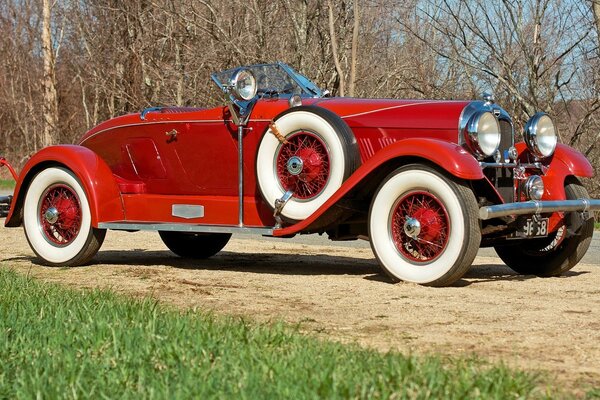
pixel 336 291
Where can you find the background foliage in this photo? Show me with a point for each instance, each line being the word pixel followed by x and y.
pixel 110 57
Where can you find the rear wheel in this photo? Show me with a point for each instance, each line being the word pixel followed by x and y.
pixel 57 219
pixel 557 253
pixel 423 226
pixel 194 245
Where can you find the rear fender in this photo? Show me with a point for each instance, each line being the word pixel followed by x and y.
pixel 447 156
pixel 93 173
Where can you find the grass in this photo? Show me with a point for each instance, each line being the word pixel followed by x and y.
pixel 61 343
pixel 7 184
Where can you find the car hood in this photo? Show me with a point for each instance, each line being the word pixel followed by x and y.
pixel 405 114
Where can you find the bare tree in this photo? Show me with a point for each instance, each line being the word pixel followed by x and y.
pixel 50 100
pixel 524 49
pixel 354 57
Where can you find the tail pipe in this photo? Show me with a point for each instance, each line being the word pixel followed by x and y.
pixel 5 205
pixel 6 200
pixel 538 207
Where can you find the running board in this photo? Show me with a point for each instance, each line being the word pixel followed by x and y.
pixel 137 226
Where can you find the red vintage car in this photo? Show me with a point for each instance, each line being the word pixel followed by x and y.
pixel 426 182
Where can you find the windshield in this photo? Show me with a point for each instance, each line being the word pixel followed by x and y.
pixel 274 80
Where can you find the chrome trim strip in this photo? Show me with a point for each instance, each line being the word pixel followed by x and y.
pixel 191 121
pixel 400 106
pixel 538 207
pixel 140 226
pixel 509 165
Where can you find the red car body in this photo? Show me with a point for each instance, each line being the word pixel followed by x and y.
pixel 136 168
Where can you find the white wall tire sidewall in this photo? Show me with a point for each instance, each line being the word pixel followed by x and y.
pixel 265 164
pixel 380 230
pixel 42 247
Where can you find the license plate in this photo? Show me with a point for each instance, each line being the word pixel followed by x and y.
pixel 534 227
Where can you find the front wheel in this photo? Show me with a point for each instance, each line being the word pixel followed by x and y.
pixel 57 219
pixel 559 252
pixel 423 226
pixel 194 245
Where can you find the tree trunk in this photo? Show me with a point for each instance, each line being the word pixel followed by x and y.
pixel 50 106
pixel 596 10
pixel 334 51
pixel 353 61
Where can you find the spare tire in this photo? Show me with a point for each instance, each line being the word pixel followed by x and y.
pixel 311 152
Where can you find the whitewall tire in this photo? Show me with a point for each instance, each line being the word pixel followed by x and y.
pixel 57 219
pixel 423 226
pixel 318 154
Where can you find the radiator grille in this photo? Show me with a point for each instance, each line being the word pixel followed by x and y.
pixel 502 178
pixel 506 138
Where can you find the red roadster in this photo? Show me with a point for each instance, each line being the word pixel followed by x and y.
pixel 426 182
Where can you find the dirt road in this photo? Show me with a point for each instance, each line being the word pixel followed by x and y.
pixel 338 292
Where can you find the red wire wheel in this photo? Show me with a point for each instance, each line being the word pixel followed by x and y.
pixel 302 165
pixel 60 214
pixel 420 227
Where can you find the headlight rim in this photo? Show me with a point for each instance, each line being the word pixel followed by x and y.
pixel 534 187
pixel 471 134
pixel 530 135
pixel 235 79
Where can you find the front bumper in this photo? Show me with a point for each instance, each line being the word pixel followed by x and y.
pixel 538 207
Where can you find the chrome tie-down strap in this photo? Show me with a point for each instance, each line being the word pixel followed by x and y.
pixel 279 204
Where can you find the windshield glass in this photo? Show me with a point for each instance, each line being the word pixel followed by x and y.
pixel 274 79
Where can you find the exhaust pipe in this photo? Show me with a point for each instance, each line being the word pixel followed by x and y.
pixel 5 205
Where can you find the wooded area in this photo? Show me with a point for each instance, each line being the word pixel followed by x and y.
pixel 67 65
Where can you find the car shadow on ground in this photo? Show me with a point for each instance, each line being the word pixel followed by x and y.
pixel 286 264
pixel 484 273
pixel 501 272
pixel 262 263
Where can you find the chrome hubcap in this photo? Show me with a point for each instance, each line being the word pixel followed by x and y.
pixel 412 227
pixel 51 215
pixel 295 165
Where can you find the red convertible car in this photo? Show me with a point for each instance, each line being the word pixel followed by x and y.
pixel 426 182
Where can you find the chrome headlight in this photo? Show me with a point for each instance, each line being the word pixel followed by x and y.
pixel 243 85
pixel 534 187
pixel 540 135
pixel 482 134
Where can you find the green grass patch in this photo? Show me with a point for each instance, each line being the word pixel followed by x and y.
pixel 7 184
pixel 61 343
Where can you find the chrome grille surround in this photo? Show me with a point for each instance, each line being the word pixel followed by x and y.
pixel 501 177
pixel 506 127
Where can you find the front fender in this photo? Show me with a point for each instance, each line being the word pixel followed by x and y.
pixel 93 173
pixel 565 162
pixel 448 156
pixel 575 162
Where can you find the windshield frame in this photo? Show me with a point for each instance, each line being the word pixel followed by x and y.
pixel 308 87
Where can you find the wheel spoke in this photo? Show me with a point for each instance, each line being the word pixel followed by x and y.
pixel 61 202
pixel 429 239
pixel 313 176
